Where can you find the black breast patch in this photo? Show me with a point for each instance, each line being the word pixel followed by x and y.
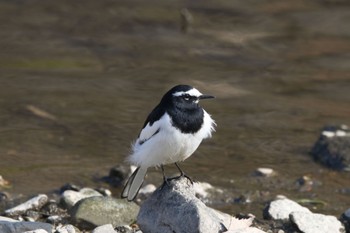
pixel 187 121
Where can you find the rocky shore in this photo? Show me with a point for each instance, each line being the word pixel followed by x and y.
pixel 176 206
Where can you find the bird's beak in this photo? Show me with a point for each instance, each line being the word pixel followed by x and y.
pixel 206 97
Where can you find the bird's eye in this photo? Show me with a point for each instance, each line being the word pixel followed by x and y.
pixel 186 97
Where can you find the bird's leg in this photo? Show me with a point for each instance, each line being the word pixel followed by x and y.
pixel 182 173
pixel 180 170
pixel 165 179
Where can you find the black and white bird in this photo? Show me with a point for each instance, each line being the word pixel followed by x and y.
pixel 170 134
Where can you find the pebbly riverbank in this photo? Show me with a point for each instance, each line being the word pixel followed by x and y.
pixel 175 207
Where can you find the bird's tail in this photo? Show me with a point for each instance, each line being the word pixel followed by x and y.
pixel 134 183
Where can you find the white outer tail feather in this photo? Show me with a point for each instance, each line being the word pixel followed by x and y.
pixel 134 183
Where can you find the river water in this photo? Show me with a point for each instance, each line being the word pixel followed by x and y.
pixel 79 78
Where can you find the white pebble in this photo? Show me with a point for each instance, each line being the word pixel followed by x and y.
pixel 36 231
pixel 340 133
pixel 201 189
pixel 54 219
pixel 108 228
pixel 71 197
pixel 264 171
pixel 328 134
pixel 148 189
pixel 66 229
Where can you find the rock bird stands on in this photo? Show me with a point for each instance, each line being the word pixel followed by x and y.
pixel 171 133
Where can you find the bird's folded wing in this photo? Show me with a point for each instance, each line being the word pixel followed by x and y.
pixel 150 130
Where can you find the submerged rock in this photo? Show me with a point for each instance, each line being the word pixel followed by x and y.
pixel 91 212
pixel 332 148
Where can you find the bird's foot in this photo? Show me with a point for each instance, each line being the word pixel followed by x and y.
pixel 178 177
pixel 182 174
pixel 165 182
pixel 189 178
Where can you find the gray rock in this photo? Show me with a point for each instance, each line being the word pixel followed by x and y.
pixel 332 149
pixel 175 208
pixel 37 231
pixel 281 208
pixel 33 204
pixel 67 229
pixel 108 228
pixel 316 223
pixel 8 225
pixel 6 219
pixel 202 190
pixel 96 211
pixel 71 197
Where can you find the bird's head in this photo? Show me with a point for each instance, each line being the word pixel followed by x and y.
pixel 185 96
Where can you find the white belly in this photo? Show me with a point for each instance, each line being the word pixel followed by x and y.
pixel 169 145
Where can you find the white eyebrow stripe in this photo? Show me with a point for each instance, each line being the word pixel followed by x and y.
pixel 192 92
